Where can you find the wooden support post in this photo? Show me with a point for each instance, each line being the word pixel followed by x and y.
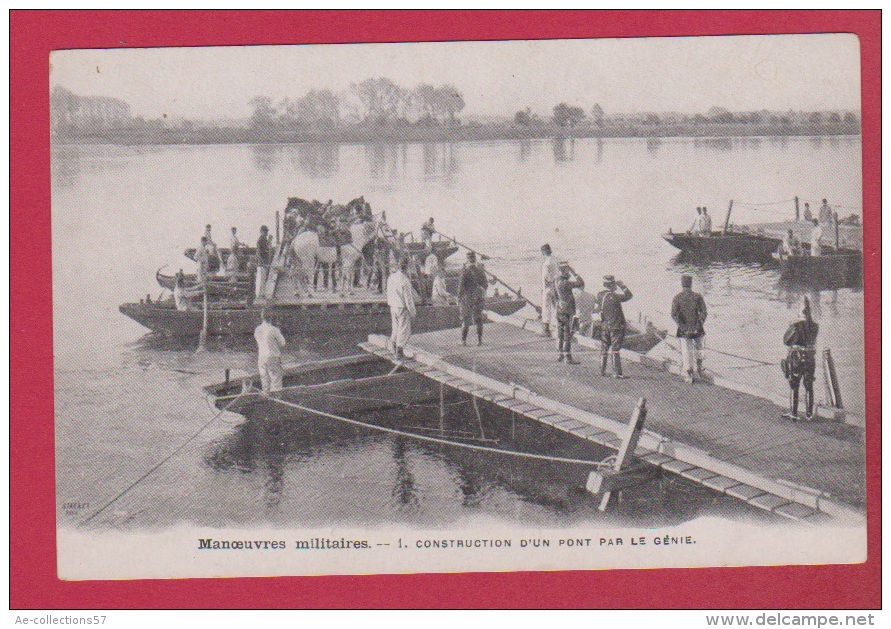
pixel 621 475
pixel 727 219
pixel 833 390
pixel 277 228
pixel 441 407
pixel 835 220
pixel 226 373
pixel 202 339
pixel 797 215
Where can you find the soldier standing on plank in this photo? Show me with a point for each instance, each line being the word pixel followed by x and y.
pixel 612 334
pixel 689 312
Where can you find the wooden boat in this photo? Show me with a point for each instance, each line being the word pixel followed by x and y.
pixel 224 287
pixel 731 245
pixel 311 317
pixel 833 269
pixel 757 242
pixel 356 396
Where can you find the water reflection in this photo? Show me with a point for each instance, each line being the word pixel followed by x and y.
pixel 266 445
pixel 653 145
pixel 266 156
pixel 65 166
pixel 441 161
pixel 822 301
pixel 525 150
pixel 718 144
pixel 317 161
pixel 705 272
pixel 404 490
pixel 386 160
pixel 70 162
pixel 564 149
pixel 779 141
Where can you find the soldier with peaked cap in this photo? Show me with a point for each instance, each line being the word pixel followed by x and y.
pixel 800 364
pixel 472 297
pixel 612 334
pixel 689 313
pixel 264 261
pixel 566 310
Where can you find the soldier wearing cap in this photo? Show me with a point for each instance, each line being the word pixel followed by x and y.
pixel 689 312
pixel 264 260
pixel 800 363
pixel 471 298
pixel 566 310
pixel 612 334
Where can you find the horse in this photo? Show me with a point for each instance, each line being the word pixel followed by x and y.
pixel 327 260
pixel 304 253
pixel 309 256
pixel 351 254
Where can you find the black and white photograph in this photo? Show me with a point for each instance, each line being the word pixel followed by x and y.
pixel 458 306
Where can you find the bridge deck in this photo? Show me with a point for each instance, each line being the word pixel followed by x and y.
pixel 722 428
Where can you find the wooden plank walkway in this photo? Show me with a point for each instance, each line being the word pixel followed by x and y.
pixel 727 440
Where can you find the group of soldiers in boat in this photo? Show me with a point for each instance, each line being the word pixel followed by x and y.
pixel 322 246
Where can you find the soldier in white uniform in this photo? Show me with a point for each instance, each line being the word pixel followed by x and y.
pixel 269 354
pixel 550 271
pixel 705 223
pixel 816 235
pixel 401 300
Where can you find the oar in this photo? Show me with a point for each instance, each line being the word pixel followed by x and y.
pixel 482 256
pixel 513 290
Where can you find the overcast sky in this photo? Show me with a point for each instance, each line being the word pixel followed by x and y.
pixel 687 74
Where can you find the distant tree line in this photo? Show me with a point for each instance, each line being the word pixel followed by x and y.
pixel 377 101
pixel 565 115
pixel 75 115
pixel 379 109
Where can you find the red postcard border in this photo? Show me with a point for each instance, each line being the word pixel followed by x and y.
pixel 33 580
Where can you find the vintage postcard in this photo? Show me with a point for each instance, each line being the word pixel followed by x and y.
pixel 454 307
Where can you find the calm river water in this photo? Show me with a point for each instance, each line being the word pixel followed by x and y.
pixel 125 400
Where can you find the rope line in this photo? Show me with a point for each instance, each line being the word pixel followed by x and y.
pixel 792 200
pixel 401 433
pixel 165 460
pixel 717 351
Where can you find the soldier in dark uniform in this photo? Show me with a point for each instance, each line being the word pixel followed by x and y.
pixel 689 311
pixel 263 261
pixel 801 362
pixel 472 298
pixel 612 333
pixel 565 307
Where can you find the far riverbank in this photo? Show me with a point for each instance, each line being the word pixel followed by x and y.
pixel 365 133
